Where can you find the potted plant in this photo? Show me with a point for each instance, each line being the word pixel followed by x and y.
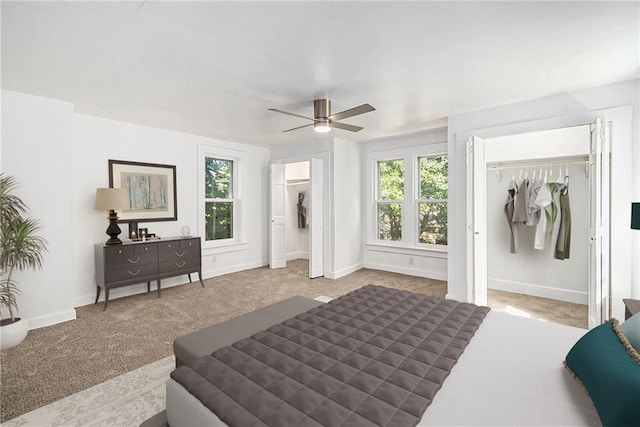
pixel 20 249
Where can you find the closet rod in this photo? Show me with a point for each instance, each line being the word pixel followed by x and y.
pixel 547 163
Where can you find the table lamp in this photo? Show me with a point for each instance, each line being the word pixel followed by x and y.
pixel 110 199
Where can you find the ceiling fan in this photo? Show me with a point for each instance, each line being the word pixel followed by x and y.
pixel 324 121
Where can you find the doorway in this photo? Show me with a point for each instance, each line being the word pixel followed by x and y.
pixel 574 155
pixel 297 215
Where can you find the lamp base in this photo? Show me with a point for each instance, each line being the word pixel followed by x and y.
pixel 113 230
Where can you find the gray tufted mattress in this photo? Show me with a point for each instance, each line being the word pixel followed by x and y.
pixel 374 357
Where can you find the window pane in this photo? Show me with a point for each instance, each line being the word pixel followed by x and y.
pixel 391 180
pixel 218 182
pixel 432 221
pixel 433 177
pixel 218 220
pixel 390 221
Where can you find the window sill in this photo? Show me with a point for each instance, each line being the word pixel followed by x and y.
pixel 220 248
pixel 434 252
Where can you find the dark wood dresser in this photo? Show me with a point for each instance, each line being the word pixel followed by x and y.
pixel 139 262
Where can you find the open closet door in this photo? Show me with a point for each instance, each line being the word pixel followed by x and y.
pixel 599 186
pixel 316 220
pixel 277 256
pixel 477 220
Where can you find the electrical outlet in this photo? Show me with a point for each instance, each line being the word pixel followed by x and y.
pixel 410 260
pixel 213 259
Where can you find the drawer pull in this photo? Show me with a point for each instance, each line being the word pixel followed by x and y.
pixel 180 264
pixel 146 248
pixel 180 255
pixel 169 246
pixel 120 251
pixel 132 273
pixel 133 261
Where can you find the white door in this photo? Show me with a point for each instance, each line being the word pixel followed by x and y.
pixel 316 220
pixel 599 182
pixel 477 221
pixel 277 254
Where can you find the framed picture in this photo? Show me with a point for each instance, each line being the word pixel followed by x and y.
pixel 151 187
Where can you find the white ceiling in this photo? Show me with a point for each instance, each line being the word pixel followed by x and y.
pixel 214 68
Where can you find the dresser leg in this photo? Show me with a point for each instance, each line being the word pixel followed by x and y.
pixel 158 288
pixel 200 277
pixel 97 294
pixel 189 275
pixel 106 298
pixel 148 286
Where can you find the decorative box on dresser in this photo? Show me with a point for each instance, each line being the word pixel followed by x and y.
pixel 139 262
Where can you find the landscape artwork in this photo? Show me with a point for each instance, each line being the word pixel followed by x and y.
pixel 147 192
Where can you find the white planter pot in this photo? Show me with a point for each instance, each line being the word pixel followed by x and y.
pixel 13 334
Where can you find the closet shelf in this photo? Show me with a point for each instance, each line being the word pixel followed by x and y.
pixel 297 181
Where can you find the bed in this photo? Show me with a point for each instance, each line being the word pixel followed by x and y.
pixel 510 373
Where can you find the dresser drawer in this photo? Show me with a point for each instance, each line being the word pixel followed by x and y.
pixel 178 254
pixel 190 264
pixel 130 273
pixel 145 248
pixel 190 243
pixel 128 256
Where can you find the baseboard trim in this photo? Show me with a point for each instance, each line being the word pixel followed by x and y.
pixel 418 272
pixel 297 255
pixel 51 319
pixel 341 273
pixel 566 295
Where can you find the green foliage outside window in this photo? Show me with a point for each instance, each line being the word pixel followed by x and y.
pixel 432 209
pixel 218 199
pixel 391 188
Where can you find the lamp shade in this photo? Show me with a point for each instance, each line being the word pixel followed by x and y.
pixel 111 198
pixel 635 216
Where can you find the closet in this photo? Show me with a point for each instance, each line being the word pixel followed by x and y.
pixel 559 155
pixel 296 201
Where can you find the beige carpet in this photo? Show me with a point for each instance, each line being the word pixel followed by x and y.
pixel 57 361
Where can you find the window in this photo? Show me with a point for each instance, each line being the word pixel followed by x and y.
pixel 432 199
pixel 389 199
pixel 408 197
pixel 219 199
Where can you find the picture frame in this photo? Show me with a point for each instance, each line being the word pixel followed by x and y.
pixel 152 190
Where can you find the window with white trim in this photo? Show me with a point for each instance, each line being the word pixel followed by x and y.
pixel 409 197
pixel 432 193
pixel 390 198
pixel 219 199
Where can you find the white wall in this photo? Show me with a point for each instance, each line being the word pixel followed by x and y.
pixel 400 259
pixel 97 140
pixel 296 239
pixel 568 109
pixel 347 208
pixel 37 150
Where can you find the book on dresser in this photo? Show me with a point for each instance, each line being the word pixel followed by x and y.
pixel 139 262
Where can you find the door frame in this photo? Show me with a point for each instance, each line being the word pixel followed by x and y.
pixel 326 205
pixel 620 237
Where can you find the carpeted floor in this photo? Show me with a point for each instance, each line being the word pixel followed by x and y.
pixel 60 360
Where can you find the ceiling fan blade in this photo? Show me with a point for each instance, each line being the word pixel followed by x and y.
pixel 299 127
pixel 345 126
pixel 360 109
pixel 291 114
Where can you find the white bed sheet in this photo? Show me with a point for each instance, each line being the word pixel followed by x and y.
pixel 510 374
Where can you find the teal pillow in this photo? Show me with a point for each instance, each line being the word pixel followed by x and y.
pixel 610 374
pixel 631 329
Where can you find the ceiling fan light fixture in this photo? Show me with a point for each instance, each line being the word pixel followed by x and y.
pixel 322 126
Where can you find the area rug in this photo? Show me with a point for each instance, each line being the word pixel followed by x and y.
pixel 126 400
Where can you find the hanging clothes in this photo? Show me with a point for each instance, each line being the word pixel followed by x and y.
pixel 509 207
pixel 556 189
pixel 544 201
pixel 563 244
pixel 302 210
pixel 533 213
pixel 521 203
